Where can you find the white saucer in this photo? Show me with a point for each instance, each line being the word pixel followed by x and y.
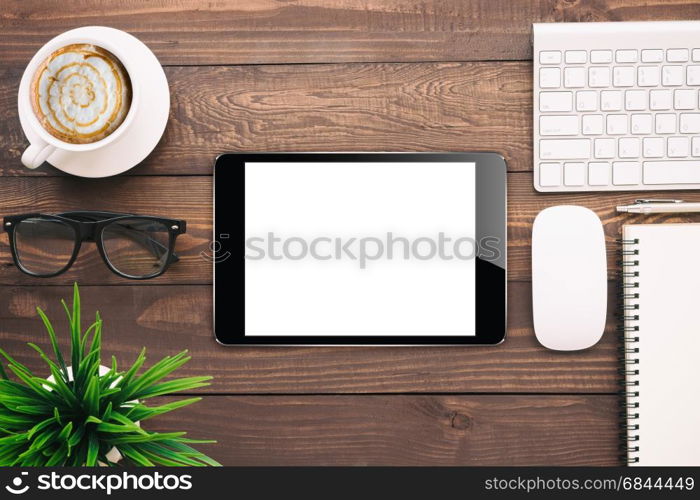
pixel 145 131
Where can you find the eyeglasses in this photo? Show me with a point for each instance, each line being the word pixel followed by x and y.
pixel 132 246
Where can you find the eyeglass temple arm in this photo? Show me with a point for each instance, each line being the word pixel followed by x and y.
pixel 95 216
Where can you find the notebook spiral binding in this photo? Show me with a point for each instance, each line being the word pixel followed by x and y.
pixel 628 331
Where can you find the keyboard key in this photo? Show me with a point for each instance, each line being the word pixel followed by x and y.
pixel 592 124
pixel 678 147
pixel 660 99
pixel 587 100
pixel 672 172
pixel 550 78
pixel 648 76
pixel 617 124
pixel 574 174
pixel 605 148
pixel 641 124
pixel 556 101
pixel 601 56
pixel 575 56
pixel 626 173
pixel 695 146
pixel 672 75
pixel 598 76
pixel 574 77
pixel 690 123
pixel 550 57
pixel 611 100
pixel 559 125
pixel 628 147
pixel 696 55
pixel 693 75
pixel 665 123
pixel 565 149
pixel 599 173
pixel 677 55
pixel 550 174
pixel 684 99
pixel 626 56
pixel 652 55
pixel 635 100
pixel 623 76
pixel 653 147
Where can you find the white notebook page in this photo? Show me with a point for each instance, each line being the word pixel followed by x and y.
pixel 669 342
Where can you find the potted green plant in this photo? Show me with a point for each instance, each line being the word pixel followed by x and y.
pixel 85 414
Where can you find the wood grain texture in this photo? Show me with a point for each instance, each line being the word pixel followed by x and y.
pixel 167 319
pixel 403 430
pixel 397 75
pixel 189 198
pixel 336 107
pixel 303 31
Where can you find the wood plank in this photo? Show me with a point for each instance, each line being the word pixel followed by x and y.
pixel 366 107
pixel 304 31
pixel 166 319
pixel 403 430
pixel 186 198
pixel 189 198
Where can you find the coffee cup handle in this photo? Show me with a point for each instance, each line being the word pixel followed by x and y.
pixel 36 154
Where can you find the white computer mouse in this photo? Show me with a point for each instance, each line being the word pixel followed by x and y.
pixel 569 278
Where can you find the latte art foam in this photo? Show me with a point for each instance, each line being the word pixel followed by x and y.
pixel 81 93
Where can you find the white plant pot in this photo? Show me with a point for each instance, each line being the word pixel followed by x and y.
pixel 112 455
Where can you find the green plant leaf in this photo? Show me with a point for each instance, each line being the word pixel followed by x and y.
pixel 61 388
pixel 131 372
pixel 142 412
pixel 92 451
pixel 65 432
pixel 32 409
pixel 165 456
pixel 57 457
pixel 158 371
pixel 76 330
pixel 108 412
pixel 40 427
pixel 18 365
pixel 146 437
pixel 136 457
pixel 179 445
pixel 91 398
pixel 177 385
pixel 43 438
pixel 54 342
pixel 106 427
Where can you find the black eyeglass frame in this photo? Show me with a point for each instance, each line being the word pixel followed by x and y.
pixel 89 226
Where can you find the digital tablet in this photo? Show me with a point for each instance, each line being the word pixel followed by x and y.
pixel 359 248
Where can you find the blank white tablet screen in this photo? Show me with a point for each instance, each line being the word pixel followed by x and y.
pixel 346 249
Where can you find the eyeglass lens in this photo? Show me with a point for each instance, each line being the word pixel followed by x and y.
pixel 136 247
pixel 43 246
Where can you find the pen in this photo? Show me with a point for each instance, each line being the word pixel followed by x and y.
pixel 659 206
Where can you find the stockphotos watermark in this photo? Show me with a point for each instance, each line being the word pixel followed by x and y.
pixel 101 482
pixel 362 249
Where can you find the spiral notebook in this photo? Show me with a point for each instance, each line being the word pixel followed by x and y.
pixel 661 301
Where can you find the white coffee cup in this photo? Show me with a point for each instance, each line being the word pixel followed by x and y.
pixel 45 144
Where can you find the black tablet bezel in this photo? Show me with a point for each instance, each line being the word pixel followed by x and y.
pixel 229 260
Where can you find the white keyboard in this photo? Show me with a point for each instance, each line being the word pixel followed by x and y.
pixel 616 106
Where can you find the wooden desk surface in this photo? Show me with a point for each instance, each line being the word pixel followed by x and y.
pixel 325 75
